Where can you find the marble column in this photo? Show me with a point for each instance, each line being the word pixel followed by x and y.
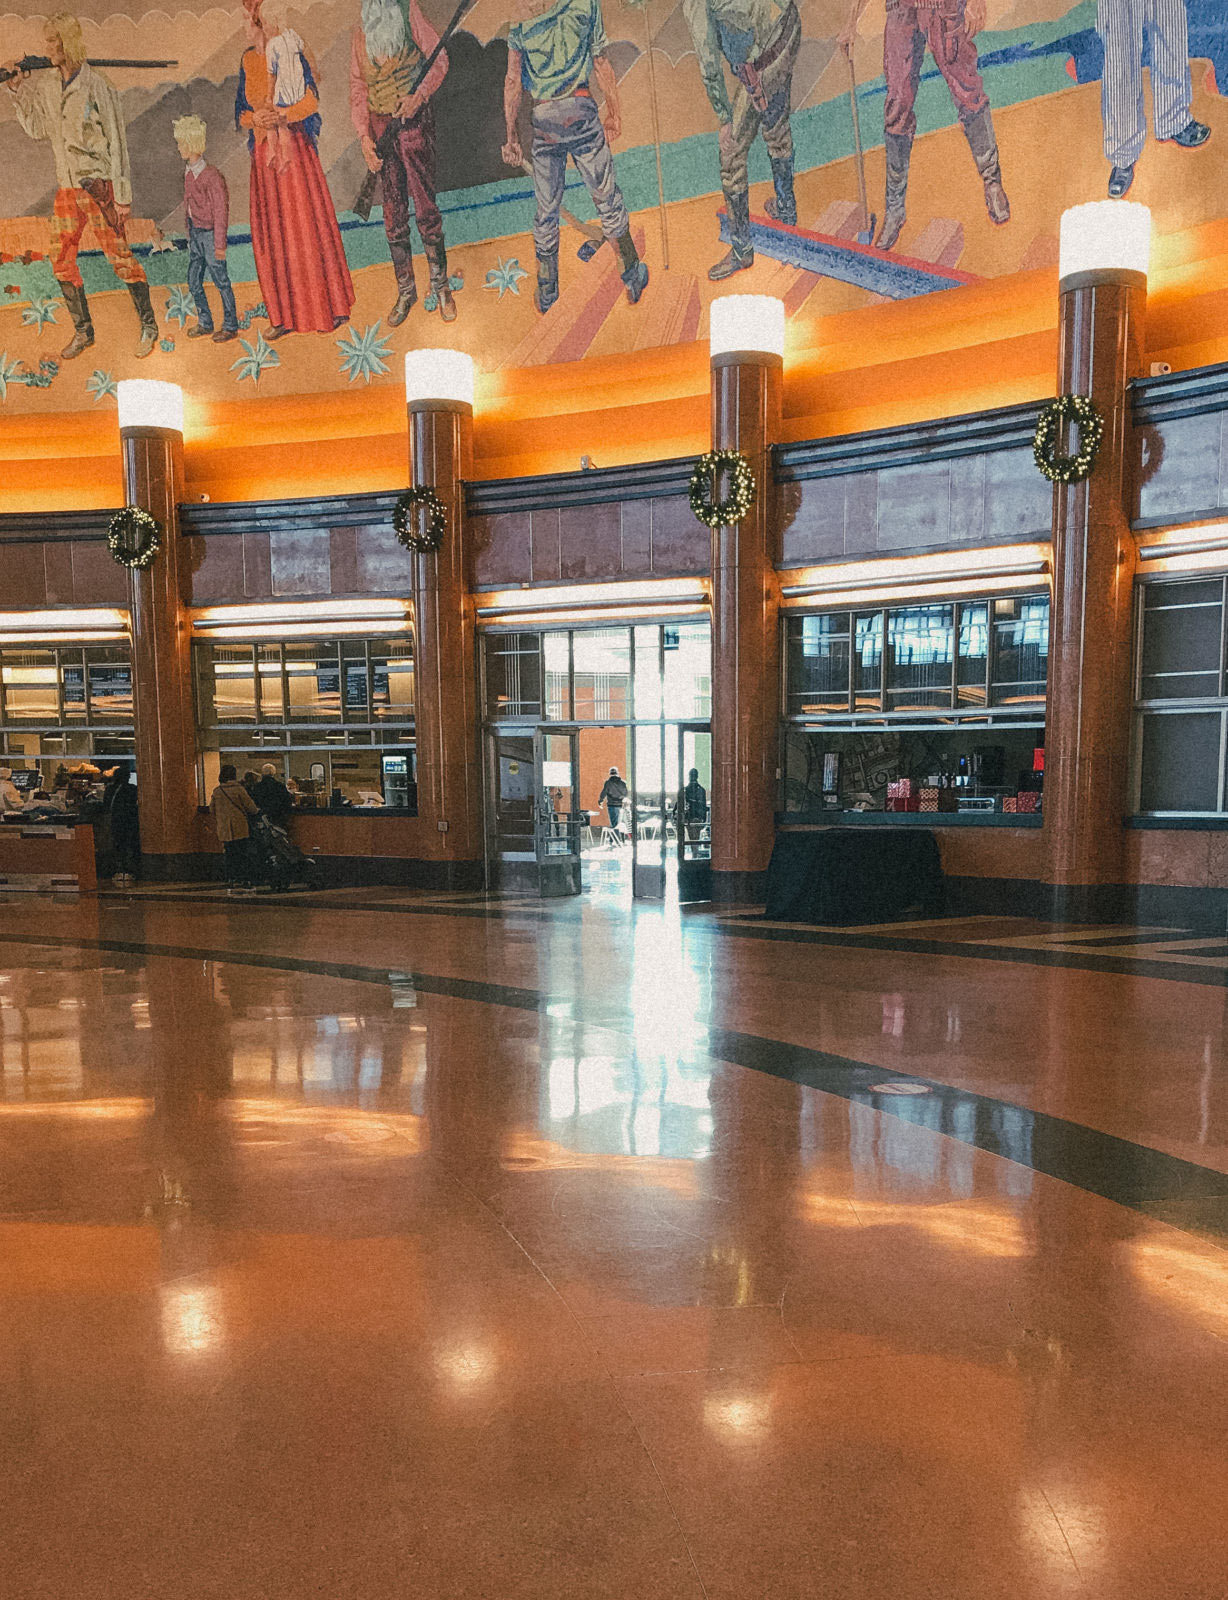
pixel 746 405
pixel 159 595
pixel 1088 712
pixel 449 769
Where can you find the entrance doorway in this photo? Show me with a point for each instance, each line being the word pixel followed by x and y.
pixel 599 761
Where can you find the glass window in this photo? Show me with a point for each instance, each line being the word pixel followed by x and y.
pixel 557 658
pixel 72 685
pixel 336 716
pixel 921 650
pixel 817 666
pixel 972 672
pixel 686 649
pixel 649 679
pixel 313 681
pixel 1182 639
pixel 1181 758
pixel 31 686
pixel 231 684
pixel 1021 649
pixel 110 691
pixel 513 675
pixel 868 661
pixel 392 678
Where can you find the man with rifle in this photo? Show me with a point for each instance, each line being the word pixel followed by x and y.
pixel 395 122
pixel 77 111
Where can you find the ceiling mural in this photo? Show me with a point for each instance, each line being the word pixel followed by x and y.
pixel 278 198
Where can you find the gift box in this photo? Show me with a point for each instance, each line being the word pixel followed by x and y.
pixel 1026 800
pixel 1010 805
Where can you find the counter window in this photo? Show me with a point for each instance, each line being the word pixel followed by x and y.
pixel 335 716
pixel 942 696
pixel 64 705
pixel 1181 698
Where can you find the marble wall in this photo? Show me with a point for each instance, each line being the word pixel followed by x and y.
pixel 649 538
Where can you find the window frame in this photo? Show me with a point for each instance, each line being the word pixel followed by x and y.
pixel 1177 705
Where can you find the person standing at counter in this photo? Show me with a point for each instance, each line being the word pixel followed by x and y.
pixel 119 803
pixel 10 794
pixel 232 808
pixel 272 796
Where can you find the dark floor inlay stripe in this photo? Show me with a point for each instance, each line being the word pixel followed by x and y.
pixel 1133 1175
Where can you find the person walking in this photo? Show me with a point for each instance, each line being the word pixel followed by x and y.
pixel 613 797
pixel 232 809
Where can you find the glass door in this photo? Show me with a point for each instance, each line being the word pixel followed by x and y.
pixel 558 817
pixel 649 800
pixel 693 810
pixel 511 852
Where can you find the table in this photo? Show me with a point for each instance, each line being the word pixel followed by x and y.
pixel 844 876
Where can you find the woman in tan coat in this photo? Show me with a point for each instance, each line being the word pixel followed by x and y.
pixel 232 806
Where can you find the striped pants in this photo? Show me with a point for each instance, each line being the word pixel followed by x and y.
pixel 1121 25
pixel 73 209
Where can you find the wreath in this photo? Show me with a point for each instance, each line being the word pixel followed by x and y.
pixel 714 513
pixel 1066 408
pixel 405 521
pixel 134 538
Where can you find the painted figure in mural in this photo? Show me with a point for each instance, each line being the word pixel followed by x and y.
pixel 1121 24
pixel 556 50
pixel 300 260
pixel 77 110
pixel 949 28
pixel 206 215
pixel 390 48
pixel 759 39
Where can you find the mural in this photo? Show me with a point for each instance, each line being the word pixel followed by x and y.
pixel 281 197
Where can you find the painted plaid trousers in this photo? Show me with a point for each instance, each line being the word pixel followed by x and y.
pixel 73 210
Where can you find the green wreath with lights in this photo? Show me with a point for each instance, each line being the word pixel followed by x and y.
pixel 134 538
pixel 1059 468
pixel 410 530
pixel 714 513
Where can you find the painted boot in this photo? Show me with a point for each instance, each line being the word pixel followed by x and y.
pixel 407 288
pixel 547 291
pixel 634 271
pixel 741 253
pixel 898 150
pixel 83 327
pixel 437 257
pixel 984 147
pixel 782 206
pixel 149 323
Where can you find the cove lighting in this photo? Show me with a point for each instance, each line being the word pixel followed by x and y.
pixel 887 594
pixel 754 323
pixel 149 403
pixel 969 566
pixel 309 630
pixel 665 611
pixel 302 613
pixel 598 595
pixel 1105 236
pixel 434 375
pixel 90 625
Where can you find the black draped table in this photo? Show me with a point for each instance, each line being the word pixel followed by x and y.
pixel 843 876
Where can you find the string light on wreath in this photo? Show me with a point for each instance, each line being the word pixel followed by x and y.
pixel 714 513
pixel 407 523
pixel 134 538
pixel 1059 468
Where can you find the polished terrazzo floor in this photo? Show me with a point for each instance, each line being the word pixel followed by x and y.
pixel 372 1245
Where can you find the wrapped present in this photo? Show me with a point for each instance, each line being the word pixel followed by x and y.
pixel 1026 801
pixel 1010 805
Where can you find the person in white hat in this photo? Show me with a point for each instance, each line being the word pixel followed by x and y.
pixel 10 794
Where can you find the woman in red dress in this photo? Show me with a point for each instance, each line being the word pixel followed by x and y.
pixel 300 260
